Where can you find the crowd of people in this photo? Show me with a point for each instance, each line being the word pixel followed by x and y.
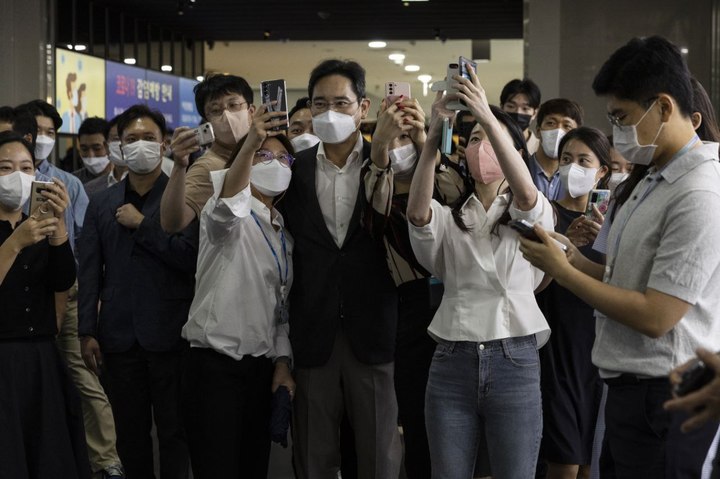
pixel 369 297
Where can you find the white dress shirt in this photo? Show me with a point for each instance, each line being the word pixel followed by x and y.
pixel 238 282
pixel 489 286
pixel 337 189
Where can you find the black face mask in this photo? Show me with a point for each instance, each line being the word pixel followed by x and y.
pixel 522 120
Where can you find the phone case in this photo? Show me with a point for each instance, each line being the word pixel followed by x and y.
pixel 37 200
pixel 394 90
pixel 275 91
pixel 599 198
pixel 205 134
pixel 452 70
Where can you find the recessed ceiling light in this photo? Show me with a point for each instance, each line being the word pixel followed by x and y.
pixel 166 68
pixel 425 78
pixel 377 44
pixel 200 78
pixel 130 61
pixel 412 68
pixel 684 51
pixel 80 48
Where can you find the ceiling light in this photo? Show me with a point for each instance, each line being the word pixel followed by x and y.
pixel 377 44
pixel 130 61
pixel 425 78
pixel 412 68
pixel 166 68
pixel 80 48
pixel 70 47
pixel 684 50
pixel 398 58
pixel 200 78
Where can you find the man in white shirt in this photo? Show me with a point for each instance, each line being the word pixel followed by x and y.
pixel 343 304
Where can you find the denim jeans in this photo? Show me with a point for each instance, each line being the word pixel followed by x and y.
pixel 487 389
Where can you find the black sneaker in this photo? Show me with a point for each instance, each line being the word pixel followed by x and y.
pixel 114 472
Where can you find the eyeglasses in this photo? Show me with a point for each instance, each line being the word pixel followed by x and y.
pixel 617 120
pixel 267 157
pixel 321 106
pixel 217 110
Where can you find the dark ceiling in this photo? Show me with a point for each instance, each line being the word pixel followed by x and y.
pixel 227 20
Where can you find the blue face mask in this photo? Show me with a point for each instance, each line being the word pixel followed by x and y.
pixel 626 143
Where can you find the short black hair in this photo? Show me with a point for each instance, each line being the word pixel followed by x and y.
pixel 11 136
pixel 301 104
pixel 43 108
pixel 140 111
pixel 561 106
pixel 7 114
pixel 347 68
pixel 93 126
pixel 25 123
pixel 215 85
pixel 643 69
pixel 113 122
pixel 526 87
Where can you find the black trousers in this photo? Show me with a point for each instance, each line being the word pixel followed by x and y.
pixel 226 410
pixel 644 440
pixel 142 385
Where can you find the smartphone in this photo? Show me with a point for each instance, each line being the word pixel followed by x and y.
pixel 463 72
pixel 452 70
pixel 205 134
pixel 600 199
pixel 394 90
pixel 526 230
pixel 693 379
pixel 275 91
pixel 447 137
pixel 38 203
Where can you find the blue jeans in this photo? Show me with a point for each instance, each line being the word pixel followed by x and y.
pixel 487 389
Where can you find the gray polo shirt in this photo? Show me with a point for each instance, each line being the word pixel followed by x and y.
pixel 666 237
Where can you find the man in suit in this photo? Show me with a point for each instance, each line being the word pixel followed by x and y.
pixel 143 280
pixel 92 143
pixel 343 303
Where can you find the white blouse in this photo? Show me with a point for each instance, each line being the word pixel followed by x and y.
pixel 489 286
pixel 237 280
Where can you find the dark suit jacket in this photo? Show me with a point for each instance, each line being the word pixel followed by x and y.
pixel 348 287
pixel 143 278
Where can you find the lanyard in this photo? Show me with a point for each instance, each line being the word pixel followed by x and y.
pixel 283 281
pixel 688 146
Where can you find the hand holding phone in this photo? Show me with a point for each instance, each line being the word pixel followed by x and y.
pixel 38 203
pixel 526 230
pixel 601 200
pixel 205 134
pixel 395 90
pixel 274 97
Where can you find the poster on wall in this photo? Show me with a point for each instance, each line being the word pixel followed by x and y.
pixel 79 88
pixel 189 115
pixel 161 92
pixel 124 87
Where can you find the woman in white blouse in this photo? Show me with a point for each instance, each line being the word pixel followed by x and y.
pixel 238 327
pixel 485 376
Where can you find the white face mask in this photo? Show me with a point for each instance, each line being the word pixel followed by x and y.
pixel 304 141
pixel 231 126
pixel 578 181
pixel 550 140
pixel 270 179
pixel 142 156
pixel 615 180
pixel 115 154
pixel 333 127
pixel 43 147
pixel 626 143
pixel 96 164
pixel 403 160
pixel 15 189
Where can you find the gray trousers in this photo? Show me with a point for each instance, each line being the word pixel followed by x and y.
pixel 323 394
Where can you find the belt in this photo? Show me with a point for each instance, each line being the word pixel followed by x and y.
pixel 627 379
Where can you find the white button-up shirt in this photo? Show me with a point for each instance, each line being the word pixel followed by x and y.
pixel 238 282
pixel 489 286
pixel 337 189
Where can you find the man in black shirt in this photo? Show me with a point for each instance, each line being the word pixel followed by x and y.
pixel 143 280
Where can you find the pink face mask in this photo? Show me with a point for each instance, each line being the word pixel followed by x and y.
pixel 483 163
